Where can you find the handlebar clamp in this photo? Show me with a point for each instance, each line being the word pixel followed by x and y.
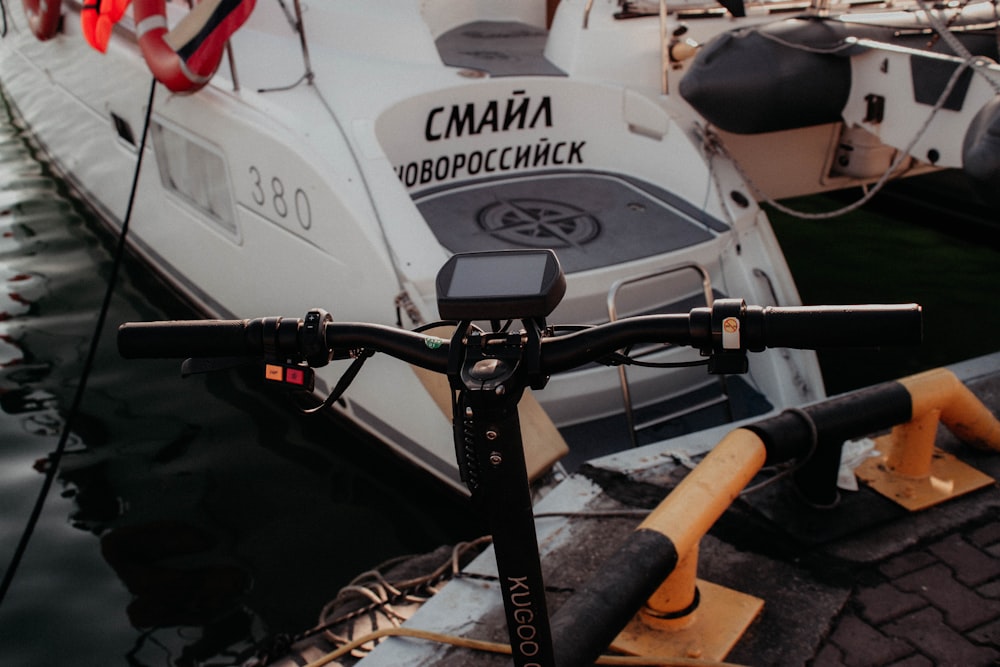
pixel 722 324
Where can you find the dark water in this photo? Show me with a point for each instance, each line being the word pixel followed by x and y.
pixel 192 519
pixel 898 251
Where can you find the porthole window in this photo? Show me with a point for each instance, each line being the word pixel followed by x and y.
pixel 196 172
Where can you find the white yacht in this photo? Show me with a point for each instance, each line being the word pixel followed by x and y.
pixel 335 154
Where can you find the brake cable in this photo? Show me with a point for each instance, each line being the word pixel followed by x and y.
pixel 342 384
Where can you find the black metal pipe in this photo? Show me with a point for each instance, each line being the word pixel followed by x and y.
pixel 593 617
pixel 835 420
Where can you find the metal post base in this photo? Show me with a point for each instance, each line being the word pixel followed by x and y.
pixel 948 478
pixel 708 633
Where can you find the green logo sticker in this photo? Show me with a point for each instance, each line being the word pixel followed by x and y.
pixel 433 343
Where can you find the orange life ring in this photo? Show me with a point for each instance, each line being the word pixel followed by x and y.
pixel 43 17
pixel 98 18
pixel 185 58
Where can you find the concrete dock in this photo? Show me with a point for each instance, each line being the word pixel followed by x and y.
pixel 863 582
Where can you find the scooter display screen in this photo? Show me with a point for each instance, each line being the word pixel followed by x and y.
pixel 502 284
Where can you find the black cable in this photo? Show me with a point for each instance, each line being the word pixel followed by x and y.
pixel 345 381
pixel 56 456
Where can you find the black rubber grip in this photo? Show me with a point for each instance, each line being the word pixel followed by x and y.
pixel 820 327
pixel 182 339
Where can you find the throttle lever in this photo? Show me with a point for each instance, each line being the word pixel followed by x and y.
pixel 717 331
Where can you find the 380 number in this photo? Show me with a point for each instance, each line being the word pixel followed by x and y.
pixel 272 196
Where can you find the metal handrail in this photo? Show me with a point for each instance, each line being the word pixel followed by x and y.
pixel 706 284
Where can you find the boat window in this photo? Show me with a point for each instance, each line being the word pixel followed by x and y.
pixel 195 172
pixel 590 219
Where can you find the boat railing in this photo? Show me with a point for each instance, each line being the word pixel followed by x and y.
pixel 297 24
pixel 231 59
pixel 613 315
pixel 665 57
pixel 299 27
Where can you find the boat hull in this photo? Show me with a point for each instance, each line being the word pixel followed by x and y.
pixel 349 191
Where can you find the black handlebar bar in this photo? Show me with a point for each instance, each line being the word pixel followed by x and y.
pixel 488 445
pixel 728 324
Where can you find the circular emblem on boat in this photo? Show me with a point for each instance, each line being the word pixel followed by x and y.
pixel 539 223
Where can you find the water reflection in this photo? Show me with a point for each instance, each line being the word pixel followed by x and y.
pixel 230 527
pixel 61 597
pixel 192 520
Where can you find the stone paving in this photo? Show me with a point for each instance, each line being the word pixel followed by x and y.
pixel 935 605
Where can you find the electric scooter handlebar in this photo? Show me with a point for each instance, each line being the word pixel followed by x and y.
pixel 489 450
pixel 728 324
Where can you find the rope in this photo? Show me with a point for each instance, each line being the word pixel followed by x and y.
pixel 597 514
pixel 383 593
pixel 56 456
pixel 504 649
pixel 956 45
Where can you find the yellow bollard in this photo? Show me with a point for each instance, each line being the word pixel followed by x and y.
pixel 963 413
pixel 675 603
pixel 689 617
pixel 707 491
pixel 911 470
pixel 911 446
